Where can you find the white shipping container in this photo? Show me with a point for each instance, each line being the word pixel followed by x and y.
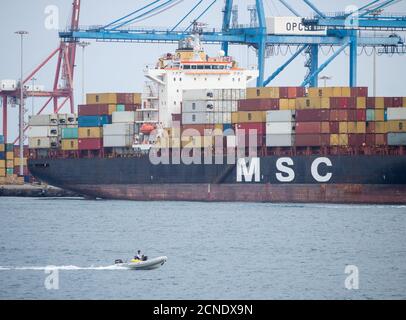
pixel 198 94
pixel 117 140
pixel 43 120
pixel 397 139
pixel 279 128
pixel 42 131
pixel 42 143
pixel 280 115
pixel 290 26
pixel 231 141
pixel 123 117
pixel 8 85
pixel 396 113
pixel 195 118
pixel 198 106
pixel 118 129
pixel 279 140
pixel 71 118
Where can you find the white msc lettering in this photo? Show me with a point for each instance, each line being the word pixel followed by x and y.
pixel 315 169
pixel 248 172
pixel 352 281
pixel 281 165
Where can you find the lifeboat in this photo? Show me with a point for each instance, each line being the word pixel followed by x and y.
pixel 147 128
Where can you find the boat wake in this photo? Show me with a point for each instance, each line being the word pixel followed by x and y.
pixel 68 268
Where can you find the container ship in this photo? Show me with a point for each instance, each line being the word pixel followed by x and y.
pixel 199 132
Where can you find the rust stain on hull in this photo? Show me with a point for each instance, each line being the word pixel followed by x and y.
pixel 297 193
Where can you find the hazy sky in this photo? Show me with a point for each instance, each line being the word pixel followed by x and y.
pixel 117 67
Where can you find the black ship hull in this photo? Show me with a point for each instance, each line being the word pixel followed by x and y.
pixel 332 179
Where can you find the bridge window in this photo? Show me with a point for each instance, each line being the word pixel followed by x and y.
pixel 186 67
pixel 200 67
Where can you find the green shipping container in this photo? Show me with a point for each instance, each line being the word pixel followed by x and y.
pixel 120 107
pixel 9 147
pixel 10 171
pixel 70 133
pixel 370 115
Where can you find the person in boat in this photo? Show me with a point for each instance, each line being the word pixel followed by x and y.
pixel 138 255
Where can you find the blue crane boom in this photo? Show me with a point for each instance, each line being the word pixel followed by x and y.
pixel 338 32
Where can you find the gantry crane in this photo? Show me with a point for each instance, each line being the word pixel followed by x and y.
pixel 341 30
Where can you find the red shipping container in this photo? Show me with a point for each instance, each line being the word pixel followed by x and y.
pixel 93 109
pixel 381 139
pixel 291 92
pixel 313 115
pixel 125 98
pixel 359 92
pixel 334 127
pixel 371 103
pixel 334 115
pixel 356 140
pixel 132 107
pixel 370 127
pixel 258 104
pixel 307 127
pixel 90 144
pixel 361 115
pixel 342 115
pixel 370 139
pixel 397 102
pixel 388 102
pixel 343 102
pixel 352 114
pixel 312 140
pixel 26 151
pixel 259 126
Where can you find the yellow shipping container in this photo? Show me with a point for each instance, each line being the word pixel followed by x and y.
pixel 325 127
pixel 112 108
pixel 404 102
pixel 70 144
pixel 137 98
pixel 90 132
pixel 10 155
pixel 287 104
pixel 17 161
pixel 2 172
pixel 379 103
pixel 248 116
pixel 325 103
pixel 324 92
pixel 351 127
pixel 361 127
pixel 308 103
pixel 2 164
pixel 361 102
pixel 345 92
pixel 9 164
pixel 197 142
pixel 380 115
pixel 263 93
pixel 343 127
pixel 339 139
pixel 381 127
pixel 2 147
pixel 101 98
pixel 337 92
pixel 396 126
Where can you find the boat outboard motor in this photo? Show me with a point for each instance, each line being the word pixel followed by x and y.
pixel 144 258
pixel 117 261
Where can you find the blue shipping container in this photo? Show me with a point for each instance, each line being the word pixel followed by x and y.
pixel 70 133
pixel 93 121
pixel 2 155
pixel 1 139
